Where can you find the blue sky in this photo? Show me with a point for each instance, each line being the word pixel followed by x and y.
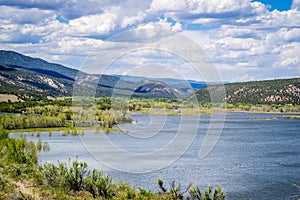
pixel 280 5
pixel 242 39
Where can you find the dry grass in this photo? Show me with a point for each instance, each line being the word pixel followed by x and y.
pixel 7 97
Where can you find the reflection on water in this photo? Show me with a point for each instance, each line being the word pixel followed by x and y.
pixel 253 159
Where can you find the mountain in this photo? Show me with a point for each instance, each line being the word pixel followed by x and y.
pixel 186 85
pixel 279 91
pixel 28 85
pixel 153 88
pixel 34 78
pixel 16 60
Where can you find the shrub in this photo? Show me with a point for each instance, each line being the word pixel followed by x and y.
pixel 75 174
pixel 3 133
pixel 31 152
pixel 39 145
pixel 55 175
pixel 70 178
pixel 46 146
pixel 99 184
pixel 194 193
pixel 216 194
pixel 175 190
pixel 130 193
pixel 18 151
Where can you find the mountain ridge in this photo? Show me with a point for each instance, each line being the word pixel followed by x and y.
pixel 18 73
pixel 35 78
pixel 8 58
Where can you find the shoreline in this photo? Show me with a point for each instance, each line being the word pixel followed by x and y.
pixel 264 112
pixel 200 113
pixel 206 112
pixel 49 129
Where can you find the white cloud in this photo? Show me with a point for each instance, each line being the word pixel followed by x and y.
pixel 133 20
pixel 165 5
pixel 162 24
pixel 296 4
pixel 98 24
pixel 241 37
pixel 289 34
pixel 289 57
pixel 207 12
pixel 25 16
pixel 154 71
pixel 245 78
pixel 266 48
pixel 201 6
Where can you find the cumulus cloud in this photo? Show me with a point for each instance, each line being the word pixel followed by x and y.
pixel 257 48
pixel 99 24
pixel 289 57
pixel 162 24
pixel 40 4
pixel 206 12
pixel 25 16
pixel 243 38
pixel 296 4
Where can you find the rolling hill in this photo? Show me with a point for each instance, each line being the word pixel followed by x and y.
pixel 280 91
pixel 188 86
pixel 16 60
pixel 34 78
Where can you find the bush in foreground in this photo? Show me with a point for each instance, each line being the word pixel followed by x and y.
pixel 22 178
pixel 175 192
pixel 76 178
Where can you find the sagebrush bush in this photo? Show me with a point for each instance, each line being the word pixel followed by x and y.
pixel 75 174
pixel 55 175
pixel 3 133
pixel 18 151
pixel 69 178
pixel 176 193
pixel 99 184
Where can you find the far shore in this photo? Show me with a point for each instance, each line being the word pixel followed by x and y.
pixel 207 111
pixel 261 112
pixel 184 112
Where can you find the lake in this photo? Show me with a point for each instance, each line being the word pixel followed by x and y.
pixel 254 158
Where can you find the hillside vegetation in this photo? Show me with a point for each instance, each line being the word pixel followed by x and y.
pixel 277 92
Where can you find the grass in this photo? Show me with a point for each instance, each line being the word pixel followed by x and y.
pixel 267 118
pixel 47 129
pixel 66 130
pixel 291 116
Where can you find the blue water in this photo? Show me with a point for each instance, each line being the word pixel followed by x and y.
pixel 253 159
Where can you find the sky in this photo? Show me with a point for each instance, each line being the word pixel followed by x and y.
pixel 233 40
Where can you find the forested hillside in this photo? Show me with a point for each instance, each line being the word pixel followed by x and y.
pixel 280 91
